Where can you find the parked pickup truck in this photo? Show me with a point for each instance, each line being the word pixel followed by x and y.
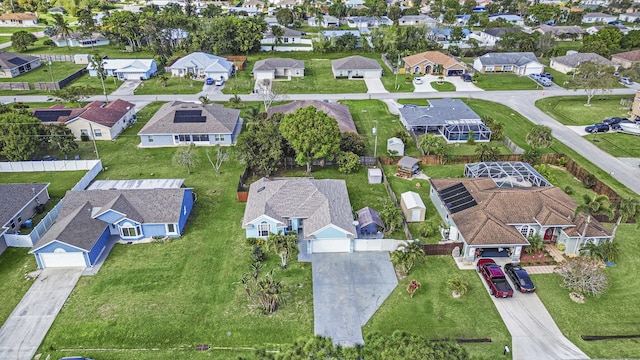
pixel 495 278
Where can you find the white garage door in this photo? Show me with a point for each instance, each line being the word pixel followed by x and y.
pixel 415 215
pixel 63 259
pixel 330 245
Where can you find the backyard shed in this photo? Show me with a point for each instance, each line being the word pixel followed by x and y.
pixel 407 166
pixel 412 206
pixel 395 146
pixel 375 176
pixel 369 221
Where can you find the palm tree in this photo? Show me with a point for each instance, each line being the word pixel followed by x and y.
pixel 430 143
pixel 596 205
pixel 97 62
pixel 626 208
pixel 592 250
pixel 252 115
pixel 610 250
pixel 163 79
pixel 407 256
pixel 283 245
pixel 458 285
pixel 486 152
pixel 61 27
pixel 277 32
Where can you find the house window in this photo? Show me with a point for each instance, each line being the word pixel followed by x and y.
pixel 19 219
pixel 286 40
pixel 488 68
pixel 150 138
pixel 218 137
pixel 289 225
pixel 507 68
pixel 200 137
pixel 171 228
pixel 84 132
pixel 264 228
pixel 97 132
pixel 526 231
pixel 130 231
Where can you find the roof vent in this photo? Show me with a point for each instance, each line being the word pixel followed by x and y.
pixel 261 189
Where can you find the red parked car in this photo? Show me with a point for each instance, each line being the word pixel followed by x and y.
pixel 495 278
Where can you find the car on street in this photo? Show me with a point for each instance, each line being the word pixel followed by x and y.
pixel 208 81
pixel 495 278
pixel 596 128
pixel 612 121
pixel 626 81
pixel 417 81
pixel 519 277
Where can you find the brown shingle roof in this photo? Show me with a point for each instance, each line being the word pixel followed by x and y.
pixel 434 57
pixel 335 110
pixel 96 112
pixel 19 16
pixel 629 56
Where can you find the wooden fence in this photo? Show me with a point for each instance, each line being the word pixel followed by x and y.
pixel 441 249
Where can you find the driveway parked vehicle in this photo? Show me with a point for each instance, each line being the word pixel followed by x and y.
pixel 495 278
pixel 618 127
pixel 596 128
pixel 612 121
pixel 417 81
pixel 626 81
pixel 545 81
pixel 547 75
pixel 519 277
pixel 219 82
pixel 208 81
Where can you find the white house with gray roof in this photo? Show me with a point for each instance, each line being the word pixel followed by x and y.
pixel 88 219
pixel 19 205
pixel 570 62
pixel 182 123
pixel 356 67
pixel 12 65
pixel 278 68
pixel 450 118
pixel 202 65
pixel 319 211
pixel 520 63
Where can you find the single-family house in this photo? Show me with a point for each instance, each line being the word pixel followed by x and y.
pixel 12 65
pixel 487 217
pixel 594 29
pixel 368 21
pixel 202 65
pixel 181 123
pixel 449 118
pixel 278 68
pixel 433 62
pixel 463 19
pixel 290 36
pixel 354 3
pixel 598 17
pixel 88 219
pixel 319 211
pixel 520 63
pixel 369 223
pixel 395 146
pixel 20 202
pixel 412 206
pixel 626 59
pixel 96 120
pixel 335 110
pixel 516 20
pixel 126 69
pixel 334 35
pixel 61 10
pixel 492 35
pixel 25 19
pixel 562 33
pixel 77 39
pixel 325 22
pixel 417 20
pixel 444 34
pixel 356 67
pixel 631 17
pixel 570 62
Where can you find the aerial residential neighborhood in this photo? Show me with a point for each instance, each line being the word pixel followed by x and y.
pixel 293 179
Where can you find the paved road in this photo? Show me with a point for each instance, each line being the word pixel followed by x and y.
pixel 347 290
pixel 26 327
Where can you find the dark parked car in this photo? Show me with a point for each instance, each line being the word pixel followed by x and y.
pixel 466 77
pixel 612 121
pixel 596 128
pixel 208 81
pixel 547 75
pixel 519 277
pixel 618 127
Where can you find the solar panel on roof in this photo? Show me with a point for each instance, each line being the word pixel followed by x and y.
pixel 457 198
pixel 17 61
pixel 189 116
pixel 50 115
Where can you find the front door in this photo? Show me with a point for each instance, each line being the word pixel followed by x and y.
pixel 548 234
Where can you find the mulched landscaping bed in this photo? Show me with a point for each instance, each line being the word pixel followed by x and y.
pixel 539 258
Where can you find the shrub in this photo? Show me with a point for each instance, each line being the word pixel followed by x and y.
pixel 471 139
pixel 532 156
pixel 258 254
pixel 348 163
pixel 48 42
pixel 561 247
pixel 562 161
pixel 84 137
pixel 584 276
pixel 458 285
pixel 589 181
pixel 252 241
pixel 352 142
pixel 568 190
pixel 402 135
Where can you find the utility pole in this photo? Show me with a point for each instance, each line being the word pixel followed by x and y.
pixel 93 137
pixel 375 133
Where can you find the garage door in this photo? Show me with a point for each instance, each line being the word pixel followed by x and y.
pixel 330 245
pixel 62 259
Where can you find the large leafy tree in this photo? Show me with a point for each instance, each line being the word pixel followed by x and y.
pixel 261 148
pixel 18 136
pixel 545 12
pixel 606 41
pixel 592 78
pixel 58 137
pixel 20 40
pixel 539 137
pixel 124 25
pixel 312 134
pixel 284 17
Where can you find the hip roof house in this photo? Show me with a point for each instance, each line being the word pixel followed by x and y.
pixel 433 62
pixel 202 65
pixel 520 63
pixel 356 67
pixel 12 65
pixel 127 69
pixel 570 62
pixel 335 110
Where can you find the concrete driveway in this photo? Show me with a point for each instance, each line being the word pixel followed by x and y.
pixel 374 86
pixel 347 290
pixel 26 327
pixel 127 88
pixel 534 334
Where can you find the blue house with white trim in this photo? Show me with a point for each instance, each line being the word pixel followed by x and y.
pixel 89 218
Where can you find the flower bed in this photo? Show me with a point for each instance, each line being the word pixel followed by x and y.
pixel 539 258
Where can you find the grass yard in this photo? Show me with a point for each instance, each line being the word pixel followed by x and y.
pixel 614 313
pixel 397 83
pixel 570 110
pixel 365 113
pixel 444 86
pixel 112 51
pixel 175 85
pixel 60 70
pixel 564 46
pixel 618 144
pixel 111 83
pixel 13 30
pixel 434 313
pixel 506 82
pixel 15 263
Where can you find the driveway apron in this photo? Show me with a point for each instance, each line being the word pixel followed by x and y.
pixel 347 291
pixel 374 86
pixel 26 327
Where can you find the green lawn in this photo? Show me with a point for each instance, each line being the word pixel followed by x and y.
pixel 435 314
pixel 175 85
pixel 110 83
pixel 506 82
pixel 564 46
pixel 397 83
pixel 614 313
pixel 60 70
pixel 13 30
pixel 571 110
pixel 112 51
pixel 445 86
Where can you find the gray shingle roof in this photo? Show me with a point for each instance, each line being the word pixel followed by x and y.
pixel 574 60
pixel 498 32
pixel 335 110
pixel 219 120
pixel 287 33
pixel 514 58
pixel 367 216
pixel 561 30
pixel 76 226
pixel 276 63
pixel 439 113
pixel 318 202
pixel 11 60
pixel 355 62
pixel 13 197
